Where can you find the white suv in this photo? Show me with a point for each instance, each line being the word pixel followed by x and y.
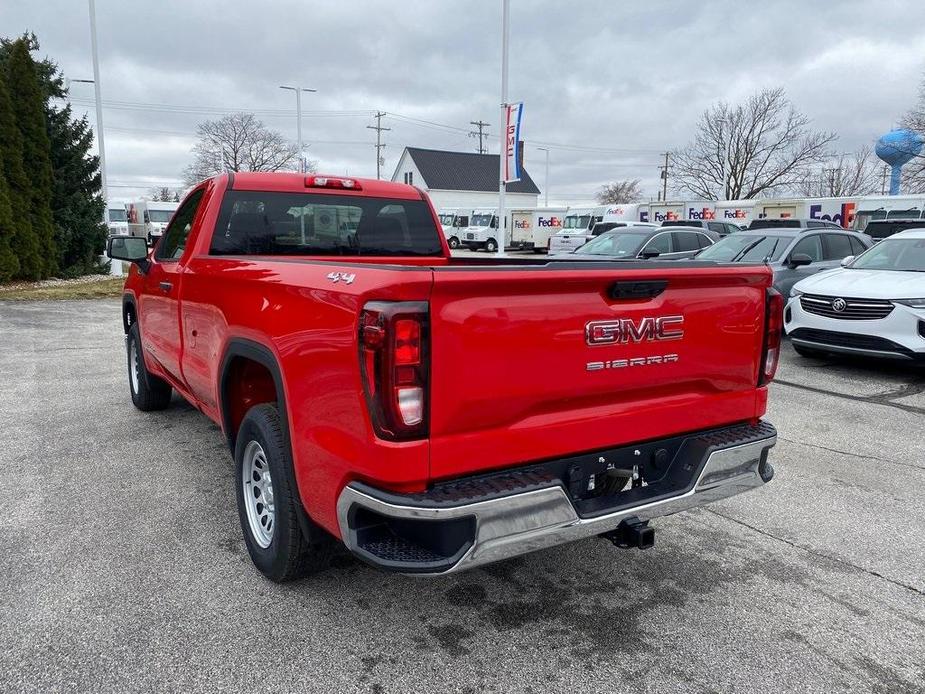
pixel 873 306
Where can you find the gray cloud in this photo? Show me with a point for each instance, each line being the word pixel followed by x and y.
pixel 627 80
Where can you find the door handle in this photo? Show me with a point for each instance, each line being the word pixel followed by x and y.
pixel 166 286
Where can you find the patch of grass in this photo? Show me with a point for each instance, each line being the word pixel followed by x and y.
pixel 85 288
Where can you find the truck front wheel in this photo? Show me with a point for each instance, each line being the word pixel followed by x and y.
pixel 267 500
pixel 453 242
pixel 149 392
pixel 491 246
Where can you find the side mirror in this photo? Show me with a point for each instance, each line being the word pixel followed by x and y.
pixel 799 260
pixel 132 249
pixel 648 255
pixel 845 262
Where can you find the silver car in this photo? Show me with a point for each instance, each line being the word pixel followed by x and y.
pixel 793 254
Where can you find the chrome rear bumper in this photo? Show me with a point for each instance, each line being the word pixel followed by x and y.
pixel 517 523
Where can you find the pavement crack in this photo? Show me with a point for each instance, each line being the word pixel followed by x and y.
pixel 884 399
pixel 823 555
pixel 854 455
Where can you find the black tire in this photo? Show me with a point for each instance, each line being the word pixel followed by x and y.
pixel 809 353
pixel 491 246
pixel 453 242
pixel 289 555
pixel 149 392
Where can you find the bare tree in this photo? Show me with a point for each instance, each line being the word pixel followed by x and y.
pixel 914 172
pixel 619 192
pixel 844 174
pixel 767 146
pixel 239 142
pixel 164 194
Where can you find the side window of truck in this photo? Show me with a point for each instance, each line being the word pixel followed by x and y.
pixel 173 244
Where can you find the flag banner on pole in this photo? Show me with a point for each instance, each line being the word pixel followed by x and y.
pixel 512 143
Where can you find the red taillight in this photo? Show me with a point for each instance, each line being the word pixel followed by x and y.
pixel 394 366
pixel 773 329
pixel 332 182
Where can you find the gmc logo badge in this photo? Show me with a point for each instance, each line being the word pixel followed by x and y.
pixel 624 330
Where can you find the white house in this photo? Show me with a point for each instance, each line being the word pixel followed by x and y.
pixel 462 179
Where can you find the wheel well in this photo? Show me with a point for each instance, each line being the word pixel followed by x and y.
pixel 245 383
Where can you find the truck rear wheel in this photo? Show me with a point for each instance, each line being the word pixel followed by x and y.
pixel 149 392
pixel 268 498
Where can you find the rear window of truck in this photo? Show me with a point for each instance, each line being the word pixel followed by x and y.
pixel 275 223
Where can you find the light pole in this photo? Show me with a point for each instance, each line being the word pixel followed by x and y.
pixel 546 180
pixel 722 138
pixel 298 115
pixel 99 111
pixel 502 152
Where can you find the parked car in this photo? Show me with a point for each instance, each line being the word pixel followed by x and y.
pixel 721 228
pixel 644 242
pixel 791 223
pixel 568 239
pixel 873 306
pixel 793 254
pixel 371 387
pixel 879 229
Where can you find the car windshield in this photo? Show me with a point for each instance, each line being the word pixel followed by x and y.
pixel 446 219
pixel 620 244
pixel 117 214
pixel 745 248
pixel 160 216
pixel 577 221
pixel 906 255
pixel 481 220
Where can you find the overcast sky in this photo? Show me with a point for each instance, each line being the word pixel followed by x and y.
pixel 607 84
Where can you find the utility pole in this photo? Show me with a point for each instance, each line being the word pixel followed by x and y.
pixel 665 177
pixel 502 152
pixel 886 172
pixel 378 128
pixel 298 114
pixel 99 110
pixel 546 179
pixel 480 125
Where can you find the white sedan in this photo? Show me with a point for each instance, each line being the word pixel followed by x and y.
pixel 873 306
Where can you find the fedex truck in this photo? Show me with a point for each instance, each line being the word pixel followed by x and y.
pixel 483 232
pixel 739 212
pixel 118 217
pixel 887 207
pixel 664 212
pixel 543 223
pixel 452 223
pixel 838 210
pixel 576 229
pixel 148 218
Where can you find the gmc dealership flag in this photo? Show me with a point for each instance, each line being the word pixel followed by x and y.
pixel 512 157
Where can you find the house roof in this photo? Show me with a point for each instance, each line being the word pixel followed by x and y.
pixel 444 170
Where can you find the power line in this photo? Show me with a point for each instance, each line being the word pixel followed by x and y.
pixel 379 144
pixel 480 125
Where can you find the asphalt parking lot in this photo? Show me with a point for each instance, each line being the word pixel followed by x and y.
pixel 124 569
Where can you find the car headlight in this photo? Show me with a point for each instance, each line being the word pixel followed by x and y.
pixel 795 292
pixel 913 303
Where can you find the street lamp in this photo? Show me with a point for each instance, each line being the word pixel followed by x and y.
pixel 99 110
pixel 502 152
pixel 298 110
pixel 546 180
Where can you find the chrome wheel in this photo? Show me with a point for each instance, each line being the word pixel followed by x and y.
pixel 258 494
pixel 133 365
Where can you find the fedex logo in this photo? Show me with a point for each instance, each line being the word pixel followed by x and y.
pixel 615 210
pixel 705 213
pixel 843 217
pixel 668 216
pixel 521 224
pixel 549 222
pixel 735 214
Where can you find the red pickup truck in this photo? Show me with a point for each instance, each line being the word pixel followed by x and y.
pixel 436 413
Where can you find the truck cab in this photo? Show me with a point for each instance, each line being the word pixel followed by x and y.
pixel 576 229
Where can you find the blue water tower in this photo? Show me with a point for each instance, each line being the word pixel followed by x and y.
pixel 896 148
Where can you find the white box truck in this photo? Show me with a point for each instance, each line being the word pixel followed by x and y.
pixel 148 219
pixel 453 222
pixel 482 231
pixel 545 222
pixel 887 207
pixel 576 230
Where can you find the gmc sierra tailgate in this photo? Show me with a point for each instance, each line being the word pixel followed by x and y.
pixel 536 363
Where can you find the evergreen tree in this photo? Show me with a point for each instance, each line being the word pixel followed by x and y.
pixel 9 263
pixel 29 111
pixel 23 241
